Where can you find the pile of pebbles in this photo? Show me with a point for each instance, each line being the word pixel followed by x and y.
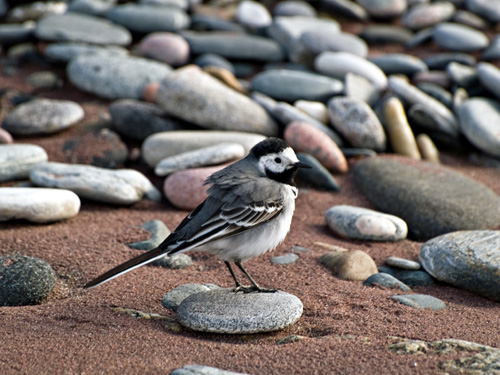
pixel 198 85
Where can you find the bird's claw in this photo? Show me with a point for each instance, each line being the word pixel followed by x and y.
pixel 252 289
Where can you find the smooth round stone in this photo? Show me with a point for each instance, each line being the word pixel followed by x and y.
pixel 314 109
pixel 304 137
pixel 226 77
pixel 402 263
pixel 142 18
pixel 138 120
pixel 92 7
pixel 234 46
pixel 202 370
pixel 456 37
pixel 210 59
pixel 172 300
pixel 318 42
pixel 42 116
pixel 420 301
pixel 425 15
pixel 338 64
pixel 217 106
pixel 385 34
pixel 357 122
pixel 38 205
pixel 224 311
pixel 64 52
pixel 16 160
pixel 211 155
pixel 427 148
pixel 413 95
pixel 253 14
pixel 493 50
pixel 292 8
pixel 5 137
pixel 349 265
pixel 175 262
pixel 462 75
pixel 318 176
pixel 186 189
pixel 169 48
pixel 435 77
pixel 288 258
pixel 399 63
pixel 384 8
pixel 345 8
pixel 385 281
pixel 358 87
pixel 45 80
pixel 465 259
pixel 17 33
pixel 489 75
pixel 35 10
pixel 25 280
pixel 292 85
pixel 431 199
pixel 123 186
pixel 206 22
pixel 400 133
pixel 415 278
pixel 162 145
pixel 420 37
pixel 440 61
pixel 76 27
pixel 480 123
pixel 159 232
pixel 470 19
pixel 115 77
pixel 365 224
pixel 489 9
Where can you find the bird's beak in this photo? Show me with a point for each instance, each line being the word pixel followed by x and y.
pixel 299 164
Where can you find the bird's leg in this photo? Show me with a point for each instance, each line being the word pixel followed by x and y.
pixel 238 284
pixel 254 287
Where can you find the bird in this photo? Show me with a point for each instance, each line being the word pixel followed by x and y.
pixel 248 211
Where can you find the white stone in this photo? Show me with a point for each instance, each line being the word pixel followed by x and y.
pixel 316 110
pixel 16 160
pixel 253 14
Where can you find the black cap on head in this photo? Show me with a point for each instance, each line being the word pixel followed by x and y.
pixel 268 146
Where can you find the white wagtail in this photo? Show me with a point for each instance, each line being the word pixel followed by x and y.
pixel 248 211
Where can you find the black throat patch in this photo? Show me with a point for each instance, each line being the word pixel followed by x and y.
pixel 285 177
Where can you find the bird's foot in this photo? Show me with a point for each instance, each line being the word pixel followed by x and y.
pixel 252 289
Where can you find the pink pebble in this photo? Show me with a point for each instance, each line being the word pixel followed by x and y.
pixel 149 92
pixel 304 137
pixel 185 189
pixel 167 47
pixel 5 137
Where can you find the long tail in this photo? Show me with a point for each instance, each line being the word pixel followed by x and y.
pixel 129 265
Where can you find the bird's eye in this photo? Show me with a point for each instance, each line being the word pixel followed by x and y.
pixel 277 160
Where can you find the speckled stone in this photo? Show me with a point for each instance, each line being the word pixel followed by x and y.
pixel 65 51
pixel 16 160
pixel 420 301
pixel 358 87
pixel 349 265
pixel 172 300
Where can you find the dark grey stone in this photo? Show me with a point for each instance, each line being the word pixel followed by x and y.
pixel 64 52
pixel 344 8
pixel 414 278
pixel 159 232
pixel 439 61
pixel 457 37
pixel 294 8
pixel 489 9
pixel 317 175
pixel 386 281
pixel 205 22
pixel 493 50
pixel 420 301
pixel 437 92
pixel 399 63
pixel 489 76
pixel 16 33
pixel 208 59
pixel 386 34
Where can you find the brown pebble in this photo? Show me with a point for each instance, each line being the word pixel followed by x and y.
pixel 428 148
pixel 225 76
pixel 350 265
pixel 150 91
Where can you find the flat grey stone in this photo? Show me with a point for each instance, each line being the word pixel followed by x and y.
pixel 24 280
pixel 431 199
pixel 65 51
pixel 489 9
pixel 123 186
pixel 480 123
pixel 175 262
pixel 253 14
pixel 345 8
pixel 470 19
pixel 437 92
pixel 202 370
pixel 172 300
pixel 424 15
pixel 115 77
pixel 159 232
pixel 92 7
pixel 292 8
pixel 456 37
pixel 385 34
pixel 37 205
pixel 42 116
pixel 493 50
pixel 17 32
pixel 489 75
pixel 288 258
pixel 205 22
pixel 35 10
pixel 386 281
pixel 317 175
pixel 316 42
pixel 420 301
pixel 402 263
pixel 143 18
pixel 16 160
pixel 365 224
pixel 193 95
pixel 224 311
pixel 465 259
pixel 399 63
pixel 414 278
pixel 462 75
pixel 77 27
pixel 384 8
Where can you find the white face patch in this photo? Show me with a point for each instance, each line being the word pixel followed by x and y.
pixel 278 162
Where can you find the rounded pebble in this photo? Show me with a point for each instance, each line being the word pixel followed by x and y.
pixel 385 280
pixel 317 175
pixel 314 109
pixel 17 160
pixel 159 232
pixel 384 8
pixel 169 48
pixel 66 51
pixel 399 63
pixel 427 148
pixel 288 258
pixel 253 14
pixel 420 301
pixel 405 264
pixel 458 37
pixel 173 299
pixel 349 265
pixel 175 262
pixel 424 15
pixel 489 75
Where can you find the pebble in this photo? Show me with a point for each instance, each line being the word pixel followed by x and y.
pixel 385 34
pixel 470 19
pixel 489 9
pixel 427 148
pixel 137 120
pixel 202 370
pixel 385 280
pixel 402 263
pixel 123 186
pixel 35 10
pixel 420 301
pixel 338 64
pixel 349 265
pixel 357 122
pixel 161 145
pixel 25 280
pixel 304 137
pixel 169 48
pixel 207 22
pixel 226 77
pixel 115 77
pixel 420 37
pixel 358 87
pixel 425 15
pixel 37 205
pixel 66 51
pixel 431 199
pixel 346 8
pixel 223 311
pixel 316 42
pixel 185 189
pixel 365 224
pixel 489 76
pixel 252 14
pixel 17 33
pixel 465 259
pixel 493 50
pixel 384 8
pixel 457 37
pixel 292 85
pixel 480 123
pixel 235 46
pixel 439 61
pixel 205 156
pixel 92 7
pixel 415 278
pixel 217 106
pixel 159 232
pixel 84 29
pixel 399 63
pixel 211 59
pixel 292 8
pixel 412 95
pixel 463 75
pixel 42 116
pixel 175 262
pixel 317 110
pixel 16 160
pixel 401 135
pixel 44 80
pixel 288 258
pixel 5 137
pixel 317 175
pixel 173 299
